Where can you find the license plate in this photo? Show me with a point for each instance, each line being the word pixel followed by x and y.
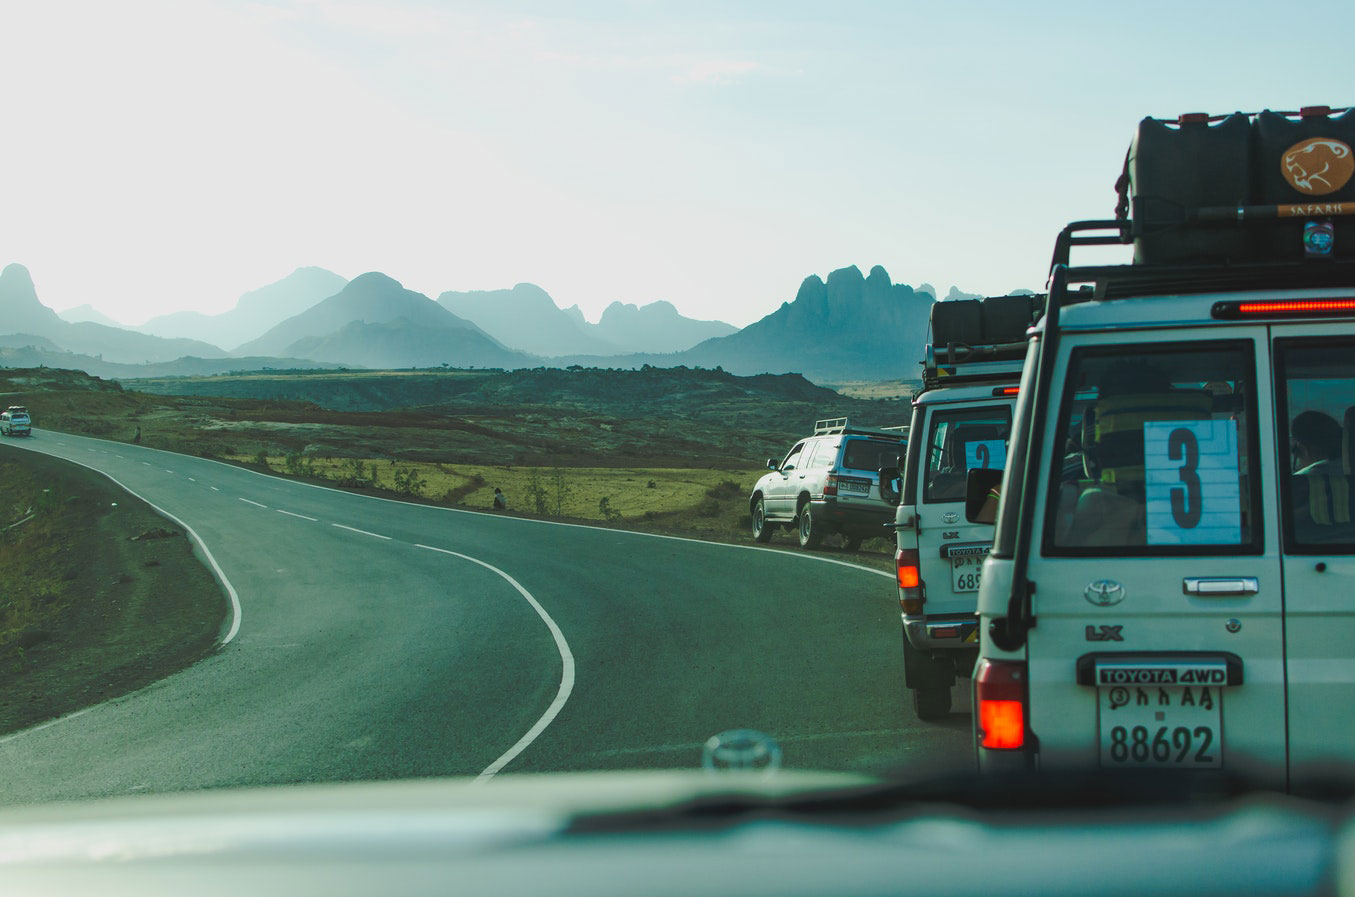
pixel 1166 726
pixel 849 486
pixel 964 572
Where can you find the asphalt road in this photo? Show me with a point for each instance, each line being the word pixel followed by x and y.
pixel 375 639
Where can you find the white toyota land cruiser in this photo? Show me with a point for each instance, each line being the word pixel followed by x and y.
pixel 961 421
pixel 828 483
pixel 1172 582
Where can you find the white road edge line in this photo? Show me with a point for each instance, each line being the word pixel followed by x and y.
pixel 47 725
pixel 354 529
pixel 252 502
pixel 566 668
pixel 302 516
pixel 236 612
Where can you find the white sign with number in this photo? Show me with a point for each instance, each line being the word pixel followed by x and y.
pixel 1191 479
pixel 985 453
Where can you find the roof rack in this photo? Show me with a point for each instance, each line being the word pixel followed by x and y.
pixel 1124 281
pixel 834 426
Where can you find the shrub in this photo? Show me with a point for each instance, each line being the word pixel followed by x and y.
pixel 606 510
pixel 409 482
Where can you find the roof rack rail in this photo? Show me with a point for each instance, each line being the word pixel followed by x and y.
pixel 834 426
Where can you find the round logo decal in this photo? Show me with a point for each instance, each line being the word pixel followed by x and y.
pixel 1317 166
pixel 1104 592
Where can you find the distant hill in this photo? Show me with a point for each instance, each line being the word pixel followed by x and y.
pixel 21 312
pixel 254 313
pixel 656 327
pixel 847 328
pixel 374 317
pixel 31 355
pixel 403 343
pixel 87 313
pixel 526 318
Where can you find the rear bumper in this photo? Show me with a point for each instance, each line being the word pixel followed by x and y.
pixel 866 520
pixel 942 632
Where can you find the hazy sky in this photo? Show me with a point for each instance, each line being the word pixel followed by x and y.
pixel 168 154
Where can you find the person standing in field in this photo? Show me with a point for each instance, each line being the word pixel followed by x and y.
pixel 500 500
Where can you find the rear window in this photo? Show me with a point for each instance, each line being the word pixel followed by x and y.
pixel 960 440
pixel 1315 386
pixel 1155 452
pixel 870 454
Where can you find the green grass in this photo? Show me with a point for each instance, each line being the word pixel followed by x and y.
pixel 575 492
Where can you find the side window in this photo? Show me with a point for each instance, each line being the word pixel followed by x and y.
pixel 793 458
pixel 960 440
pixel 825 453
pixel 1154 452
pixel 1315 384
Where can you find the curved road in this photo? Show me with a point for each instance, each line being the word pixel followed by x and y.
pixel 379 639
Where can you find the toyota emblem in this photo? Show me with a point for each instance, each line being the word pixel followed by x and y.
pixel 1104 592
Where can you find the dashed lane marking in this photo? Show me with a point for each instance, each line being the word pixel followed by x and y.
pixel 254 503
pixel 354 529
pixel 302 516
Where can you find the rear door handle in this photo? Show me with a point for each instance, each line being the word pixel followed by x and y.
pixel 1220 586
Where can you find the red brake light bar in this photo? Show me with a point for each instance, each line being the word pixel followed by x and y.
pixel 1284 308
pixel 1006 390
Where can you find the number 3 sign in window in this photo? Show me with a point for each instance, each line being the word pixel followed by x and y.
pixel 1191 480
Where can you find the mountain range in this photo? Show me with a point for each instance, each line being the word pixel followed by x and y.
pixel 848 326
pixel 254 312
pixel 527 318
pixel 22 313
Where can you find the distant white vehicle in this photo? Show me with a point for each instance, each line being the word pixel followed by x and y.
pixel 14 421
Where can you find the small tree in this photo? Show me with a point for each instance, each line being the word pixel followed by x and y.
pixel 560 490
pixel 536 492
pixel 606 510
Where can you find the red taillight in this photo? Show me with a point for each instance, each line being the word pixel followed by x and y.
pixel 909 579
pixel 830 485
pixel 1297 308
pixel 1000 691
pixel 905 562
pixel 1006 390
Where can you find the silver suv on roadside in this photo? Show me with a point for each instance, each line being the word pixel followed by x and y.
pixel 829 483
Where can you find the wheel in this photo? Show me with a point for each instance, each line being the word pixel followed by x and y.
pixel 811 534
pixel 762 530
pixel 931 702
pixel 851 543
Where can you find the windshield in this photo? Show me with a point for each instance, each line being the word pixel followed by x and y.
pixel 410 390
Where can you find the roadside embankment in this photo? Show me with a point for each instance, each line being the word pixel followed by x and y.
pixel 99 595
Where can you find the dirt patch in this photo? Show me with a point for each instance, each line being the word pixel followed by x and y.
pixel 99 595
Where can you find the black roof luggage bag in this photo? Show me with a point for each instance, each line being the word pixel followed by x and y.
pixel 1303 161
pixel 1005 318
pixel 1175 167
pixel 958 321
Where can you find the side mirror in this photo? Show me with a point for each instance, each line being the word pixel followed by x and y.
pixel 982 486
pixel 891 486
pixel 771 464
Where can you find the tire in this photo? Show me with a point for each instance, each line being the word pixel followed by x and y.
pixel 809 530
pixel 762 530
pixel 852 543
pixel 931 703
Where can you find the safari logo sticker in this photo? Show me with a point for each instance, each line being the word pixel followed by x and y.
pixel 1317 166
